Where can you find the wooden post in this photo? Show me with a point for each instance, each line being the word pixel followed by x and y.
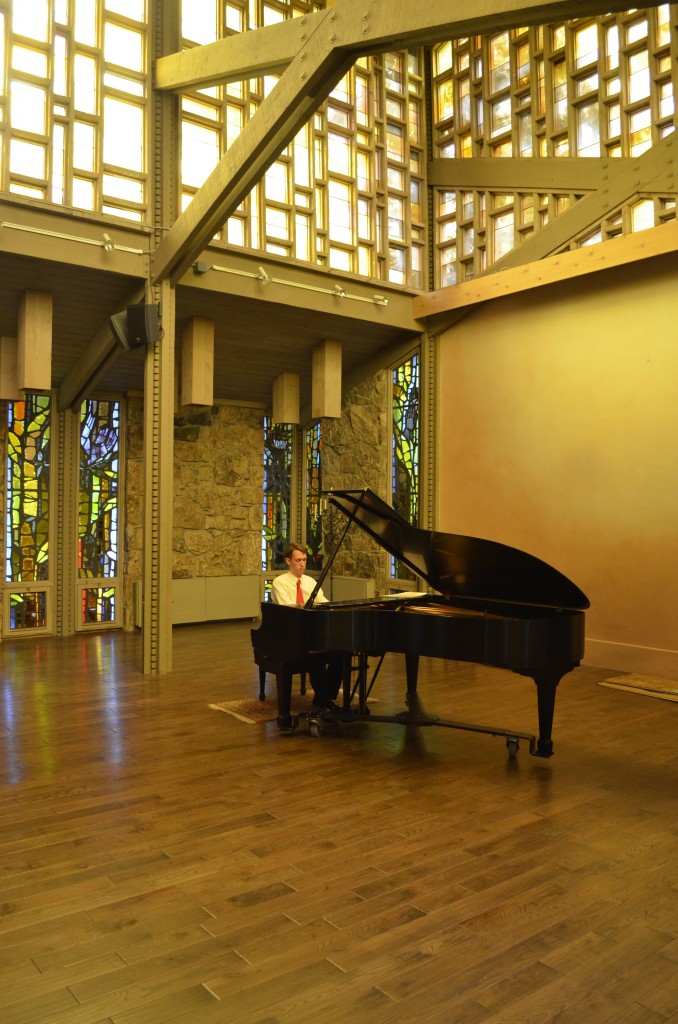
pixel 326 390
pixel 197 362
pixel 286 398
pixel 9 385
pixel 34 352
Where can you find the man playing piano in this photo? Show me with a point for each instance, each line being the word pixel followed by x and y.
pixel 294 587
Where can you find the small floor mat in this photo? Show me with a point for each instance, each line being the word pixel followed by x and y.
pixel 648 686
pixel 254 711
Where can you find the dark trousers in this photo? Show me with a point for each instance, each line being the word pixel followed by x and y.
pixel 325 671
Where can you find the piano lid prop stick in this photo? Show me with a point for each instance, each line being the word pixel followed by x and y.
pixel 326 569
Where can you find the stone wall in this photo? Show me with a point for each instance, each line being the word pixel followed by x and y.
pixel 218 481
pixel 356 454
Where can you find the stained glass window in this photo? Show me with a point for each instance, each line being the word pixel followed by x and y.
pixel 27 508
pixel 278 445
pixel 405 454
pixel 98 509
pixel 314 533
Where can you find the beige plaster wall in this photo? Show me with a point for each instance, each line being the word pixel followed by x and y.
pixel 558 434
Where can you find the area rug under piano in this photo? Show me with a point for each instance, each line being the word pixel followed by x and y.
pixel 254 711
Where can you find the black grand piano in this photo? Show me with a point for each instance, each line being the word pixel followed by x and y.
pixel 494 605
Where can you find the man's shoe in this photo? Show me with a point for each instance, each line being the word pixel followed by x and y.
pixel 327 707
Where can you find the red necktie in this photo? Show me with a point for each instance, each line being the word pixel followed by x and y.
pixel 300 596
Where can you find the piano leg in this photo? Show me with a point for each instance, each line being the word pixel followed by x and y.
pixel 346 679
pixel 416 714
pixel 546 702
pixel 283 681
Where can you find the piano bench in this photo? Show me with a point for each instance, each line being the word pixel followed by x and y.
pixel 262 682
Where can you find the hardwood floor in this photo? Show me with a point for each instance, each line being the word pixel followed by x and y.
pixel 163 862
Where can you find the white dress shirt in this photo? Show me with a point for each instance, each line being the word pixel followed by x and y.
pixel 284 589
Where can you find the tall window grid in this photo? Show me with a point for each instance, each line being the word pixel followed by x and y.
pixel 73 103
pixel 588 88
pixel 348 191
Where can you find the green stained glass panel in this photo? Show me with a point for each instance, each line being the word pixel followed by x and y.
pixel 278 444
pixel 27 482
pixel 99 478
pixel 314 533
pixel 28 611
pixel 405 454
pixel 98 604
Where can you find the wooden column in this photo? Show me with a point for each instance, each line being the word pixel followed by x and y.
pixel 197 362
pixel 286 398
pixel 34 352
pixel 159 493
pixel 9 383
pixel 326 390
pixel 160 387
pixel 68 590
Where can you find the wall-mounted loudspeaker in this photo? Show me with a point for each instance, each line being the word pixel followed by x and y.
pixel 138 326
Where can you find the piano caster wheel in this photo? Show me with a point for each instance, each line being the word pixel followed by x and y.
pixel 315 728
pixel 512 745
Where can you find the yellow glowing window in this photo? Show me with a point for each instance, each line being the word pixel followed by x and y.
pixel 341 212
pixel 29 105
pixel 123 134
pixel 123 46
pixel 199 152
pixel 199 21
pixel 27 159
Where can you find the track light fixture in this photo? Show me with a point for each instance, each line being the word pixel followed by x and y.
pixel 338 290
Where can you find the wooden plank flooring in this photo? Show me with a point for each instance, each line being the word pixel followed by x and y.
pixel 163 862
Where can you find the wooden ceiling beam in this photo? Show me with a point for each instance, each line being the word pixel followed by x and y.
pixel 100 354
pixel 604 256
pixel 309 78
pixel 653 171
pixel 266 51
pixel 522 174
pixel 385 25
pixel 347 31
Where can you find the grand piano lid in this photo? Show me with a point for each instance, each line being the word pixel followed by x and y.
pixel 459 566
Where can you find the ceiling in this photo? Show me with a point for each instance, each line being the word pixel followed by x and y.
pixel 257 337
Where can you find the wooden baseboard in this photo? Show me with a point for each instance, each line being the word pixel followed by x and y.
pixel 648 661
